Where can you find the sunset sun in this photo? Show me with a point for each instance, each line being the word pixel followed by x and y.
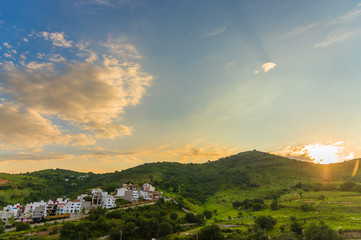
pixel 319 153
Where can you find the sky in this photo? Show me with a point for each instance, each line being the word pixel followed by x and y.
pixel 104 85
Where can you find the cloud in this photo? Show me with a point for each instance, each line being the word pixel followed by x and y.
pixel 31 157
pixel 7 45
pixel 56 58
pixel 27 128
pixel 217 31
pixel 57 38
pixel 25 40
pixel 300 29
pixel 350 16
pixel 195 151
pixel 268 66
pixel 335 38
pixel 91 94
pixel 48 67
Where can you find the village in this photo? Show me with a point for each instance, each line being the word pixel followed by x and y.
pixel 62 208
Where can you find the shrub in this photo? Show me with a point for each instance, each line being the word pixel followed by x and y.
pixel 274 205
pixel 266 222
pixel 321 232
pixel 21 226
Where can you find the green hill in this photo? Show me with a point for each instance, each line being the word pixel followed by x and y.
pixel 247 170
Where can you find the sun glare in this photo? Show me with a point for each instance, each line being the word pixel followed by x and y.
pixel 326 154
pixel 319 153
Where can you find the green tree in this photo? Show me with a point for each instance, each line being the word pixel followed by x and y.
pixel 21 226
pixel 210 232
pixel 174 216
pixel 274 205
pixel 207 214
pixel 321 232
pixel 2 227
pixel 165 228
pixel 296 227
pixel 347 186
pixel 266 222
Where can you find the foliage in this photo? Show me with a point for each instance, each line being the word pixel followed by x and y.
pixel 274 205
pixel 266 222
pixel 2 227
pixel 210 232
pixel 306 207
pixel 208 214
pixel 347 186
pixel 21 226
pixel 320 232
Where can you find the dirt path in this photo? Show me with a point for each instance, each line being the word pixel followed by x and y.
pixel 3 181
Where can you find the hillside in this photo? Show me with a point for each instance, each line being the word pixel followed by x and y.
pixel 247 170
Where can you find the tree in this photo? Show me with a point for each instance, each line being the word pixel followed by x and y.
pixel 165 228
pixel 2 227
pixel 210 232
pixel 21 226
pixel 296 227
pixel 347 186
pixel 266 222
pixel 207 214
pixel 321 232
pixel 274 205
pixel 174 216
pixel 190 217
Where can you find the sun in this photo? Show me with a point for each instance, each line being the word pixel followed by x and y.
pixel 327 153
pixel 331 152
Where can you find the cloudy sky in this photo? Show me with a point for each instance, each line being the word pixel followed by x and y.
pixel 103 85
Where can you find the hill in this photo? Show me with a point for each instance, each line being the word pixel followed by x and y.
pixel 252 169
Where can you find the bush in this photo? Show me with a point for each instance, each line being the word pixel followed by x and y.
pixel 266 222
pixel 347 186
pixel 274 205
pixel 210 232
pixel 21 226
pixel 306 207
pixel 321 232
pixel 207 214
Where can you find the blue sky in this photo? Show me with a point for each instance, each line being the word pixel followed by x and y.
pixel 103 85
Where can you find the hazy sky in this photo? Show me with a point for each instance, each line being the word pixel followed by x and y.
pixel 103 85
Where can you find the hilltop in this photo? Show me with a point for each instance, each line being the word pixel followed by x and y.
pixel 251 169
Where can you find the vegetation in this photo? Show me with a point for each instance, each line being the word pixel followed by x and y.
pixel 255 193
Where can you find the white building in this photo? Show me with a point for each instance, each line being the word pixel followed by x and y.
pixel 72 207
pixel 108 202
pixel 121 192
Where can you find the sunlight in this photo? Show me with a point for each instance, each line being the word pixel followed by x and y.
pixel 326 154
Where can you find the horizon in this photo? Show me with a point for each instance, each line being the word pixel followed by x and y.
pixel 104 85
pixel 205 162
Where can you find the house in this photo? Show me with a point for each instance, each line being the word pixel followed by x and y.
pixel 148 188
pixel 108 202
pixel 39 213
pixel 120 192
pixel 72 207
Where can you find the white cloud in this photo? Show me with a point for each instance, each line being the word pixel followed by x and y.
pixel 90 95
pixel 56 58
pixel 25 40
pixel 48 67
pixel 8 55
pixel 301 29
pixel 57 38
pixel 7 45
pixel 268 66
pixel 216 31
pixel 350 16
pixel 335 38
